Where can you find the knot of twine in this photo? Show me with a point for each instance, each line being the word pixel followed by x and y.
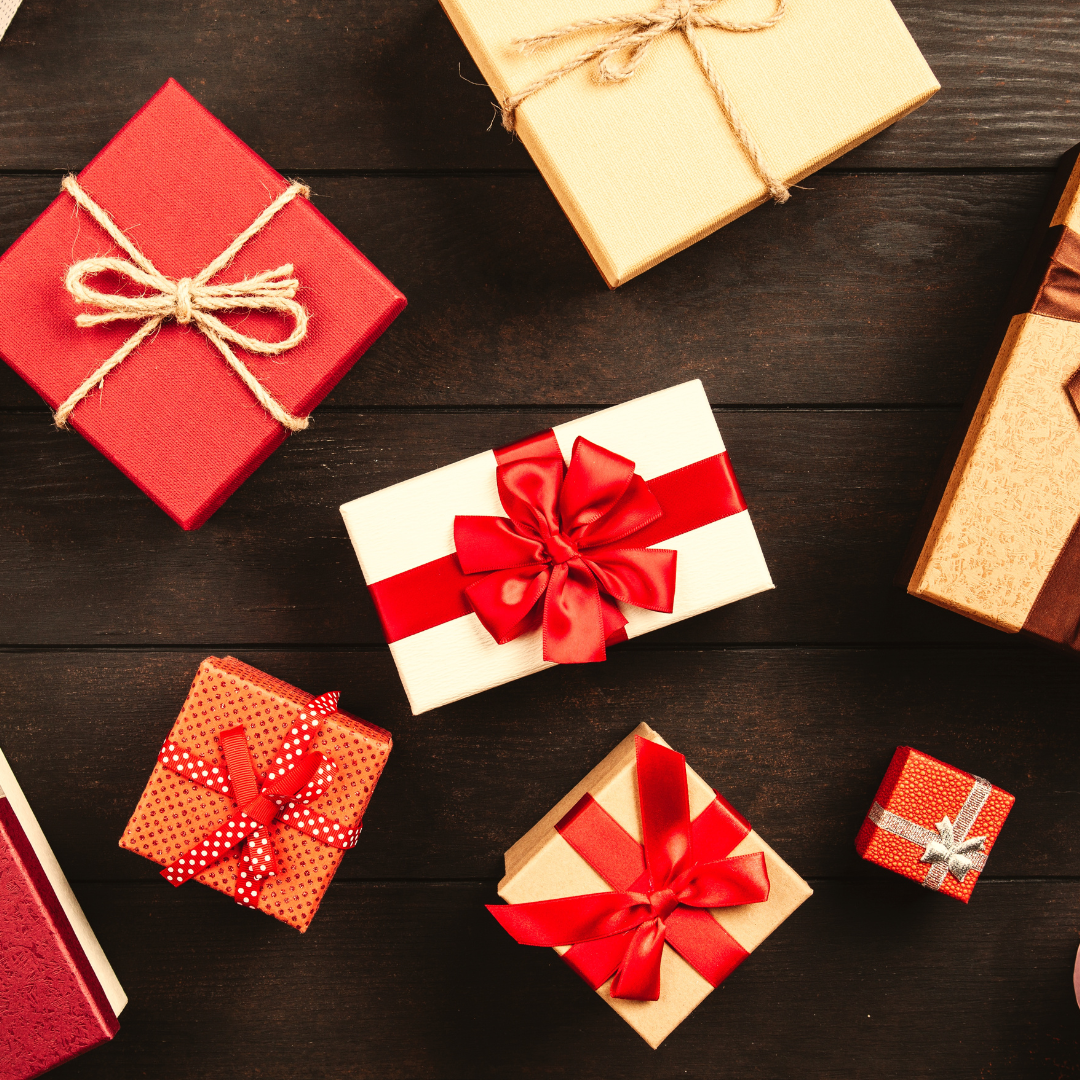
pixel 620 54
pixel 189 300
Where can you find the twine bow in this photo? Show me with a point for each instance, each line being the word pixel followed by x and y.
pixel 188 300
pixel 953 854
pixel 630 41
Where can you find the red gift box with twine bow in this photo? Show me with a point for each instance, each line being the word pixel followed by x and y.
pixel 258 791
pixel 184 307
pixel 648 883
pixel 933 823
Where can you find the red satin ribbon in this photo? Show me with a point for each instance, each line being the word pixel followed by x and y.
pixel 580 597
pixel 661 888
pixel 300 776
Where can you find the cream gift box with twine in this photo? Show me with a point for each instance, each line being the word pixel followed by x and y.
pixel 648 162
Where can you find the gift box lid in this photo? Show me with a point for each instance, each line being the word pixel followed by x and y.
pixel 404 534
pixel 173 416
pixel 77 996
pixel 647 165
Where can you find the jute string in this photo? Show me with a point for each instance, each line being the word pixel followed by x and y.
pixel 633 35
pixel 189 300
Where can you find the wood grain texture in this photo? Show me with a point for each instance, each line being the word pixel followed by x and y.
pixel 374 84
pixel 833 496
pixel 867 289
pixel 392 981
pixel 798 739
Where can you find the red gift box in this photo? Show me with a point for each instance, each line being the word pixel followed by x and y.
pixel 173 416
pixel 58 994
pixel 933 823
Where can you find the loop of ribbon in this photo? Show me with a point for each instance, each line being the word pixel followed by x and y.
pixel 190 300
pixel 631 37
pixel 953 853
pixel 661 889
pixel 299 776
pixel 561 553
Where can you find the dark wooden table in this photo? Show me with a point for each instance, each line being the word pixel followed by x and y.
pixel 836 338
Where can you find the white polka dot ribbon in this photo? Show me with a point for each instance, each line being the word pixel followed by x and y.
pixel 299 775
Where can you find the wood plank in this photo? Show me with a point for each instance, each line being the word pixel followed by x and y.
pixel 799 739
pixel 87 559
pixel 876 978
pixel 868 289
pixel 374 84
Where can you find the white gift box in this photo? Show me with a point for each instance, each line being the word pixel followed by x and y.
pixel 412 523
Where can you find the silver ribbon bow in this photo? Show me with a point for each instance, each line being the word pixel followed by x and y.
pixel 949 850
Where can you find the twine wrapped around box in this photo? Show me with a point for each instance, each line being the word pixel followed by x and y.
pixel 188 300
pixel 633 34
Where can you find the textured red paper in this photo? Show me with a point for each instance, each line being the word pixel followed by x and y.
pixel 51 1004
pixel 173 416
pixel 923 790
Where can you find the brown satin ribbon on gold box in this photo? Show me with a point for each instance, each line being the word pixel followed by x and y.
pixel 1003 547
pixel 647 163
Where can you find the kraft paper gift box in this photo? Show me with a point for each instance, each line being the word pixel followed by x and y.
pixel 933 823
pixel 647 165
pixel 59 996
pixel 437 610
pixel 258 791
pixel 999 541
pixel 591 843
pixel 173 416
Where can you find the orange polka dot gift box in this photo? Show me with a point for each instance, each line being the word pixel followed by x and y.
pixel 933 823
pixel 258 791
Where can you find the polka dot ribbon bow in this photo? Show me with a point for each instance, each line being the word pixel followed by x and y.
pixel 298 777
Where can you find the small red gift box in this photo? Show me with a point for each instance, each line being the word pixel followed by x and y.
pixel 933 823
pixel 180 188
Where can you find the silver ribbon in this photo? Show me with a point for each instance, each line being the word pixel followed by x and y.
pixel 949 850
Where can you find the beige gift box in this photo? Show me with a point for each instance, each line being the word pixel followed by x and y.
pixel 1002 546
pixel 543 866
pixel 649 165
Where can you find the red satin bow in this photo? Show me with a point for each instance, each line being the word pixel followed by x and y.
pixel 633 924
pixel 562 543
pixel 299 776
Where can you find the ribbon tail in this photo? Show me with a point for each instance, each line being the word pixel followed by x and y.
pixel 571 919
pixel 574 630
pixel 638 977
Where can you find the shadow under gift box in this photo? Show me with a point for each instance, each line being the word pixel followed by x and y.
pixel 172 416
pixel 58 994
pixel 999 539
pixel 174 813
pixel 542 865
pixel 648 165
pixel 404 537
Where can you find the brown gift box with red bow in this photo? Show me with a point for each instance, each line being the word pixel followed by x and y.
pixel 176 813
pixel 573 851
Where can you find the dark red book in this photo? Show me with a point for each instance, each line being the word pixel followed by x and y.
pixel 58 994
pixel 173 416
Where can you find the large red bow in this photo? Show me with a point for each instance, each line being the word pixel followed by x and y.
pixel 299 776
pixel 623 932
pixel 562 543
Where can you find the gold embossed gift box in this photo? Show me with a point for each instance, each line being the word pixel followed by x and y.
pixel 1002 545
pixel 656 128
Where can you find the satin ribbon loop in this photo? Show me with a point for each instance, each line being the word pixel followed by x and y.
pixel 298 777
pixel 952 853
pixel 558 558
pixel 626 929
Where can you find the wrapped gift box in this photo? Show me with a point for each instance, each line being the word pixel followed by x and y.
pixel 173 416
pixel 933 823
pixel 999 541
pixel 191 817
pixel 58 994
pixel 406 538
pixel 591 842
pixel 7 13
pixel 646 166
